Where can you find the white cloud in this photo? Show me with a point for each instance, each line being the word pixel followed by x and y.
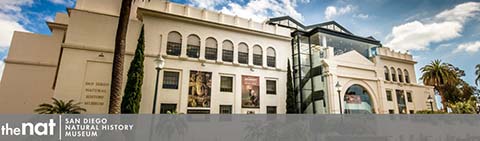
pixel 444 26
pixel 8 25
pixel 208 4
pixel 332 11
pixel 13 5
pixel 49 18
pixel 67 3
pixel 470 47
pixel 417 36
pixel 361 16
pixel 258 10
pixel 9 22
pixel 9 19
pixel 461 12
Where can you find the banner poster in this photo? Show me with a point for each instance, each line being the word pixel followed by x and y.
pixel 250 92
pixel 199 89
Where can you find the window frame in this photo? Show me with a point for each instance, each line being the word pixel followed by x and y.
pixel 268 108
pixel 267 84
pixel 174 48
pixel 211 53
pixel 388 95
pixel 227 55
pixel 165 111
pixel 393 74
pixel 243 57
pixel 171 86
pixel 407 76
pixel 386 72
pixel 193 51
pixel 400 75
pixel 257 58
pixel 232 83
pixel 409 96
pixel 220 109
pixel 391 111
pixel 271 60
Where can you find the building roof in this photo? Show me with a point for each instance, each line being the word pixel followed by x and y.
pixel 289 22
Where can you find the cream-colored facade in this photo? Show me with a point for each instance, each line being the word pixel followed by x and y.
pixel 75 61
pixel 352 68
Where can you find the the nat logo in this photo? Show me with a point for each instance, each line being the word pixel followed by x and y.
pixel 28 128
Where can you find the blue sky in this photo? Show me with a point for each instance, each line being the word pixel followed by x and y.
pixel 429 29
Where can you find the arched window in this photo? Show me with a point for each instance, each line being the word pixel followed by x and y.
pixel 227 51
pixel 257 55
pixel 211 48
pixel 386 73
pixel 271 60
pixel 193 46
pixel 400 75
pixel 394 74
pixel 242 53
pixel 174 43
pixel 407 77
pixel 357 100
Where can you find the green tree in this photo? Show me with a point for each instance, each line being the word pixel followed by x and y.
pixel 438 75
pixel 477 72
pixel 60 107
pixel 291 104
pixel 133 90
pixel 458 92
pixel 429 112
pixel 119 57
pixel 465 107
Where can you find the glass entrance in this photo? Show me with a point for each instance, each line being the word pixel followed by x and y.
pixel 357 101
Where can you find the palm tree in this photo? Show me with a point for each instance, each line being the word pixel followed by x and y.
pixel 118 57
pixel 477 72
pixel 438 74
pixel 60 107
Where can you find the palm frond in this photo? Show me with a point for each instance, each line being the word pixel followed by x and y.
pixel 60 107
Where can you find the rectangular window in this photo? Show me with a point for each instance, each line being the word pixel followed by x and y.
pixel 170 80
pixel 409 96
pixel 271 87
pixel 225 109
pixel 402 107
pixel 226 84
pixel 227 56
pixel 391 111
pixel 271 61
pixel 271 109
pixel 165 108
pixel 257 59
pixel 193 51
pixel 389 95
pixel 174 48
pixel 211 53
pixel 412 112
pixel 242 57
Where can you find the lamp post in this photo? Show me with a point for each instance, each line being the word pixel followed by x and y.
pixel 339 89
pixel 430 100
pixel 159 62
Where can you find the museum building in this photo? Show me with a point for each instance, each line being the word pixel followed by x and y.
pixel 213 63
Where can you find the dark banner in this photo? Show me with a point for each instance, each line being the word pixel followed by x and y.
pixel 250 92
pixel 200 87
pixel 241 127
